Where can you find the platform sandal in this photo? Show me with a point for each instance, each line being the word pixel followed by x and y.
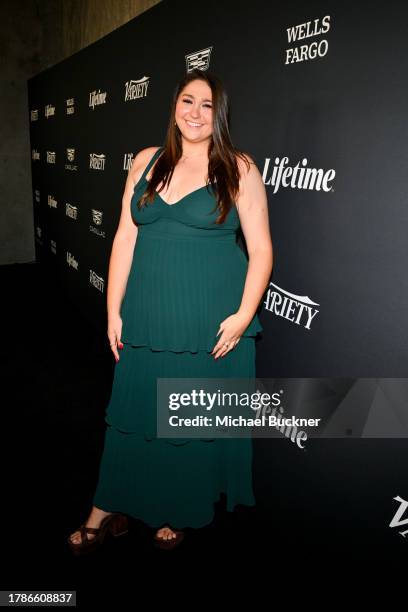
pixel 115 523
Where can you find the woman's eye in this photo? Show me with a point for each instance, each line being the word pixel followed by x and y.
pixel 206 105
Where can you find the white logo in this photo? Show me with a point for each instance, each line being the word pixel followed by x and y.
pixel 97 216
pixel 53 246
pixel 295 308
pixel 290 431
pixel 303 178
pixel 136 89
pixel 396 521
pixel 52 202
pixel 49 111
pixel 314 49
pixel 71 157
pixel 37 195
pixel 96 98
pixel 71 261
pixel 97 220
pixel 127 161
pixel 51 157
pixel 71 211
pixel 198 59
pixel 34 115
pixel 96 281
pixel 35 154
pixel 97 161
pixel 70 106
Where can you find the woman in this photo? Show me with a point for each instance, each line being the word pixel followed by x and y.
pixel 181 302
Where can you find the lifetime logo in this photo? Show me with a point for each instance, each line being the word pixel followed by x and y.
pixel 49 111
pixel 96 98
pixel 293 176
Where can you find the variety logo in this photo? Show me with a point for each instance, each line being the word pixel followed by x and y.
pixel 51 157
pixel 97 221
pixel 52 202
pixel 71 211
pixel 71 261
pixel 34 115
pixel 35 155
pixel 71 158
pixel 97 161
pixel 297 309
pixel 308 51
pixel 49 111
pixel 96 98
pixel 70 106
pixel 96 281
pixel 198 59
pixel 397 518
pixel 297 178
pixel 136 89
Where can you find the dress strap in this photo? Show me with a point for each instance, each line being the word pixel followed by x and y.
pixel 151 162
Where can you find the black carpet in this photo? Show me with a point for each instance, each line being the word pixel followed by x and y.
pixel 57 376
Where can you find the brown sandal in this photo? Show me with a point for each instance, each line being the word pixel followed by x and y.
pixel 171 542
pixel 115 523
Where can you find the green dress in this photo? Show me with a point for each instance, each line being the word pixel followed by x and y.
pixel 187 276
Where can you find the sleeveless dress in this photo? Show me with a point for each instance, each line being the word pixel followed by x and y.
pixel 187 276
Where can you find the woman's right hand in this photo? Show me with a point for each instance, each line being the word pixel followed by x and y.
pixel 114 333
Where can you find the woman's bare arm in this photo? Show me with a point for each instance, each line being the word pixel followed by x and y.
pixel 252 206
pixel 125 238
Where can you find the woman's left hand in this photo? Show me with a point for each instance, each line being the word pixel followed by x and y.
pixel 232 329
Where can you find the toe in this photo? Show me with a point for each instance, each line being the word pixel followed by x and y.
pixel 165 533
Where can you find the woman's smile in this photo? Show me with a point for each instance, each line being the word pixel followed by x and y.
pixel 193 124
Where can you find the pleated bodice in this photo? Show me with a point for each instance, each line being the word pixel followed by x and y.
pixel 187 273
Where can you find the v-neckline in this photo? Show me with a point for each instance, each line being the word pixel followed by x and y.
pixel 178 201
pixel 181 199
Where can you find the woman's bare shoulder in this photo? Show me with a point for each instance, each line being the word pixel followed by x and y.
pixel 140 162
pixel 144 155
pixel 245 163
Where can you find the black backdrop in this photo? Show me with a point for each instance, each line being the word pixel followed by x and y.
pixel 337 303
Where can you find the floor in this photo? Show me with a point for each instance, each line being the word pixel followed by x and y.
pixel 57 373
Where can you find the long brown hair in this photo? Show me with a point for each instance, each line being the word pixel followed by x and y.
pixel 223 171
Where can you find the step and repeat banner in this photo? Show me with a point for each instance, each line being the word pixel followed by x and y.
pixel 318 101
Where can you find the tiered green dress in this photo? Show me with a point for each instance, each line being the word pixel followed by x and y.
pixel 187 276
